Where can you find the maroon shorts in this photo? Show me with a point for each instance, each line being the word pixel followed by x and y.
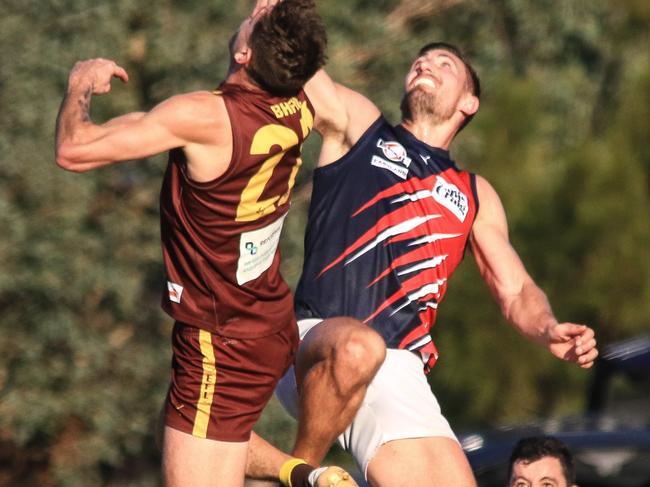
pixel 219 386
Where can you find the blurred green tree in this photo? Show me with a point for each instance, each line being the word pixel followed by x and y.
pixel 84 348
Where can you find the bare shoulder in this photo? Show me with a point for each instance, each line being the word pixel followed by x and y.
pixel 342 116
pixel 487 195
pixel 198 116
pixel 491 209
pixel 362 112
pixel 484 188
pixel 200 105
pixel 338 107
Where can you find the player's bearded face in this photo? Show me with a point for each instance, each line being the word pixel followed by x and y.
pixel 423 103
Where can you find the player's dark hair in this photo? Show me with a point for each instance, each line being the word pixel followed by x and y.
pixel 288 47
pixel 537 447
pixel 473 81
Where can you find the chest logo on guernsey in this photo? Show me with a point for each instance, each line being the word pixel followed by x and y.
pixel 452 198
pixel 394 153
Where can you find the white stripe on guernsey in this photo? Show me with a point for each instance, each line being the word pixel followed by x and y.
pixel 432 288
pixel 398 229
pixel 418 195
pixel 420 343
pixel 433 238
pixel 426 264
pixel 430 304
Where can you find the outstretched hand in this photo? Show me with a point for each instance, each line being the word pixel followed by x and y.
pixel 96 74
pixel 574 343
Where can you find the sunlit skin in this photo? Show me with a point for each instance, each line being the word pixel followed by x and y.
pixel 438 72
pixel 545 472
pixel 437 104
pixel 240 51
pixel 438 94
pixel 199 124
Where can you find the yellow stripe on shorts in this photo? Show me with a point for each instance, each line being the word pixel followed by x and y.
pixel 208 384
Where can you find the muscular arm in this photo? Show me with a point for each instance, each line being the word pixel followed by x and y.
pixel 522 302
pixel 342 116
pixel 82 145
pixel 124 119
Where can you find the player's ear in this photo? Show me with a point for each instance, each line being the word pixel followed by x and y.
pixel 243 55
pixel 469 105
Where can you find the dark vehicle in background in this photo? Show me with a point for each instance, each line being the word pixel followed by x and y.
pixel 610 442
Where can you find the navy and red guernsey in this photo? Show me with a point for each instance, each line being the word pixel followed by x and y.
pixel 388 225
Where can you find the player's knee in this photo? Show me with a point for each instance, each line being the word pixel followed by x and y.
pixel 363 353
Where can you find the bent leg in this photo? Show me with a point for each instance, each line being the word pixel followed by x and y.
pixel 420 462
pixel 189 461
pixel 264 460
pixel 336 361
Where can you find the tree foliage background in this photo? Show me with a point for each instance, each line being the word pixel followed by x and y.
pixel 562 135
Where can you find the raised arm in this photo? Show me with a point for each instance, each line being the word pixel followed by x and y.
pixel 522 302
pixel 82 145
pixel 342 116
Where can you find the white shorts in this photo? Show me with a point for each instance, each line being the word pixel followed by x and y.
pixel 399 404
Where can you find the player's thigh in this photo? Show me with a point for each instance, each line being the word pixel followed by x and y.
pixel 420 462
pixel 189 461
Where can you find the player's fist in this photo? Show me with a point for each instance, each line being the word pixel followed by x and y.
pixel 96 75
pixel 572 342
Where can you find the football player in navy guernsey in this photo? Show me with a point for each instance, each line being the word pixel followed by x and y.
pixel 390 218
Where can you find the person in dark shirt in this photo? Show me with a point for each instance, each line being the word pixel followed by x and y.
pixel 390 218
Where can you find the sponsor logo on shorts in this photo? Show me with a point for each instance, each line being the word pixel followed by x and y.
pixel 452 198
pixel 175 291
